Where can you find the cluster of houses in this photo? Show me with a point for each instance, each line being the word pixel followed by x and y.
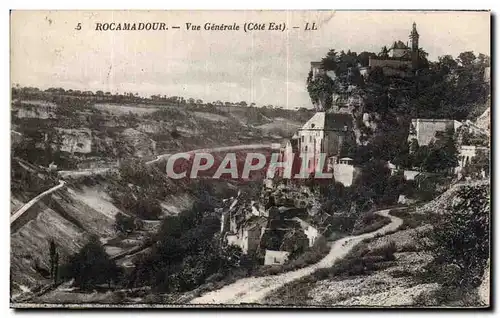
pixel 272 224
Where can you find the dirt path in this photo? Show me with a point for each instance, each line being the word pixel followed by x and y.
pixel 221 149
pixel 255 289
pixel 28 205
pixel 102 170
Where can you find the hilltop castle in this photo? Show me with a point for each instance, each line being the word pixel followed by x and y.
pixel 399 59
pixel 403 57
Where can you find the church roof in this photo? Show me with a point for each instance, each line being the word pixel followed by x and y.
pixel 399 45
pixel 329 122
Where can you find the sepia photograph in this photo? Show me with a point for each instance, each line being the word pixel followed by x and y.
pixel 250 159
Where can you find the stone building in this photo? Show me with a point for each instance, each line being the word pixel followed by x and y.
pixel 246 234
pixel 344 170
pixel 324 133
pixel 424 130
pixel 275 257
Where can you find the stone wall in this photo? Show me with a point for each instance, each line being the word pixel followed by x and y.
pixel 345 174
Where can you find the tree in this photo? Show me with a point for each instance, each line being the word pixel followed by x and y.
pixel 320 90
pixel 443 154
pixel 384 52
pixel 371 186
pixel 466 58
pixel 54 261
pixel 329 63
pixel 447 63
pixel 484 60
pixel 364 58
pixel 91 266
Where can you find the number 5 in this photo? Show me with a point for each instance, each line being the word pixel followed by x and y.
pixel 78 26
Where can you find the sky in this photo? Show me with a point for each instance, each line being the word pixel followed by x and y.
pixel 263 67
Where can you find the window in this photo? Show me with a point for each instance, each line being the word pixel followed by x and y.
pixel 312 125
pixel 305 148
pixel 310 138
pixel 345 128
pixel 302 138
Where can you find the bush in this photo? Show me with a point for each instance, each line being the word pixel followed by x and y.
pixel 124 224
pixel 91 266
pixel 386 251
pixel 370 222
pixel 412 219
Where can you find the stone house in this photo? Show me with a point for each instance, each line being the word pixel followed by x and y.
pixel 310 231
pixel 275 257
pixel 424 130
pixel 240 226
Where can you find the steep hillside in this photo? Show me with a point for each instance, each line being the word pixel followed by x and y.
pixel 401 268
pixel 84 135
pixel 69 217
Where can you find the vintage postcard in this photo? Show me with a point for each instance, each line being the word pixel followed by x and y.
pixel 334 159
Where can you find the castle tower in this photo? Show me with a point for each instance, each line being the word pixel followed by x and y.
pixel 414 45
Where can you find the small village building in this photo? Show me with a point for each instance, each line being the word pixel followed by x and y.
pixel 275 257
pixel 424 130
pixel 247 235
pixel 310 231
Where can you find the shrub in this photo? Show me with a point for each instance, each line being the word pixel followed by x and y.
pixel 124 224
pixel 370 222
pixel 386 251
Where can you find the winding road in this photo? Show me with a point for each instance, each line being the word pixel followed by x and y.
pixel 33 201
pixel 255 289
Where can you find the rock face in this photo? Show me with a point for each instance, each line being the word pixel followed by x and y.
pixel 484 121
pixel 141 144
pixel 75 140
pixel 40 112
